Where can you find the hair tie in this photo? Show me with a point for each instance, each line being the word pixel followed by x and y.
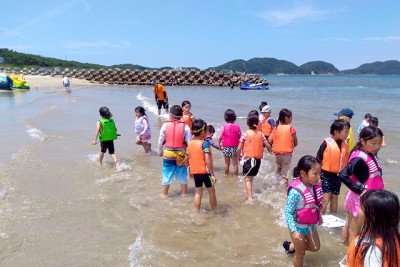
pixel 199 130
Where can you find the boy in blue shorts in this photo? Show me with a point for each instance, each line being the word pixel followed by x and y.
pixel 201 165
pixel 172 143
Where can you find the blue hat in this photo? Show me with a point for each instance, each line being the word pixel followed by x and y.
pixel 345 112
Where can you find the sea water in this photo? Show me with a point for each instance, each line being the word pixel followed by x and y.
pixel 58 207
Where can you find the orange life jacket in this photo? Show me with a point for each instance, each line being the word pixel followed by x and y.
pixel 175 135
pixel 188 119
pixel 334 158
pixel 253 145
pixel 197 159
pixel 159 91
pixel 266 128
pixel 282 141
pixel 354 260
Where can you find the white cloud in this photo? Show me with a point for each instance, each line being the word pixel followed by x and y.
pixel 289 16
pixel 383 38
pixel 339 39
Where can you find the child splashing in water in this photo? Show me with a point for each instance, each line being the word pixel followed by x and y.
pixel 379 241
pixel 229 140
pixel 251 146
pixel 142 129
pixel 302 209
pixel 283 139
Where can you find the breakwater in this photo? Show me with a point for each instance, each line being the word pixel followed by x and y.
pixel 145 77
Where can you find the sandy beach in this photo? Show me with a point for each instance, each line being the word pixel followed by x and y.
pixel 54 83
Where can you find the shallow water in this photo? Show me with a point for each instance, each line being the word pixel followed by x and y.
pixel 59 207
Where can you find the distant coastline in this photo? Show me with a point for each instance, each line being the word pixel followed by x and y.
pixel 261 66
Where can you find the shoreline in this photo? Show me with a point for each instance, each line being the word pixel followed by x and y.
pixel 49 82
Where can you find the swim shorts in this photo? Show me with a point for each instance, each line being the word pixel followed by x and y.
pixel 229 151
pixel 162 103
pixel 330 183
pixel 144 138
pixel 352 202
pixel 171 170
pixel 203 178
pixel 178 155
pixel 251 166
pixel 107 145
pixel 306 231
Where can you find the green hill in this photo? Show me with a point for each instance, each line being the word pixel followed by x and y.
pixel 260 66
pixel 390 67
pixel 319 67
pixel 10 58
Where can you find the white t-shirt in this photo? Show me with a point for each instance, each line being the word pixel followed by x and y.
pixel 65 80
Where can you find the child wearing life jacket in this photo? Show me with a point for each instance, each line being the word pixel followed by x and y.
pixel 228 141
pixel 362 173
pixel 346 114
pixel 283 140
pixel 365 122
pixel 106 133
pixel 302 209
pixel 374 121
pixel 267 123
pixel 172 143
pixel 210 131
pixel 187 116
pixel 379 241
pixel 334 154
pixel 263 103
pixel 201 165
pixel 251 147
pixel 142 129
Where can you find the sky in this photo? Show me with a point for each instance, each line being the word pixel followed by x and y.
pixel 202 34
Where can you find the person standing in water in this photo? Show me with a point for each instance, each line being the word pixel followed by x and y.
pixel 302 209
pixel 66 84
pixel 201 165
pixel 106 133
pixel 174 137
pixel 161 97
pixel 362 173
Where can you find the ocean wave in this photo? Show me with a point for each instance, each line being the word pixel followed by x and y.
pixel 116 177
pixel 37 134
pixel 148 104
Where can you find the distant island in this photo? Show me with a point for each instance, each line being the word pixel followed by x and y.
pixel 262 66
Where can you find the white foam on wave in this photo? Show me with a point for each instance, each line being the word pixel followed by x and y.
pixel 148 104
pixel 391 161
pixel 93 157
pixel 141 254
pixel 37 134
pixel 122 166
pixel 116 177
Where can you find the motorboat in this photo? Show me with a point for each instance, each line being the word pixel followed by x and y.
pixel 254 86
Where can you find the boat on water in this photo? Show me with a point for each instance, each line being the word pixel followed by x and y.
pixel 6 83
pixel 254 86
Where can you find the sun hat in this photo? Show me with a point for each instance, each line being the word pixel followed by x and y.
pixel 345 112
pixel 266 109
pixel 105 112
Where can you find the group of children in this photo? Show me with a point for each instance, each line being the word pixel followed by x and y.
pixel 185 145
